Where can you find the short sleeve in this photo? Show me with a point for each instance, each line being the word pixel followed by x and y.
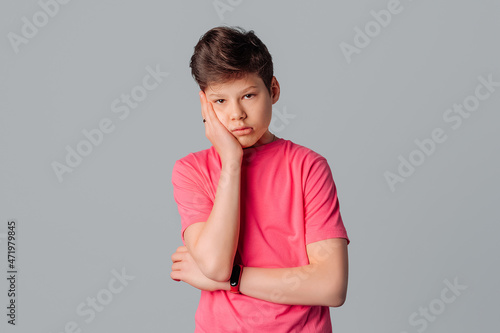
pixel 321 205
pixel 193 203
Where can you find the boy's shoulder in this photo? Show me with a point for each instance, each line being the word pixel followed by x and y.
pixel 201 155
pixel 302 152
pixel 288 151
pixel 197 165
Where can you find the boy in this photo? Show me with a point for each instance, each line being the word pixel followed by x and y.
pixel 264 238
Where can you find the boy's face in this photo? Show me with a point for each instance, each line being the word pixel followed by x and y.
pixel 245 102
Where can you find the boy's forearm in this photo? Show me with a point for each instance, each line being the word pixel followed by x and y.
pixel 218 240
pixel 304 285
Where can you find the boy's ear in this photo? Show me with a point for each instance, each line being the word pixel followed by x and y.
pixel 275 90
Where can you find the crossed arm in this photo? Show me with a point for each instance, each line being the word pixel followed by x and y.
pixel 322 282
pixel 206 260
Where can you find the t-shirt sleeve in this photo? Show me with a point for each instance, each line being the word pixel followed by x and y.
pixel 321 205
pixel 193 203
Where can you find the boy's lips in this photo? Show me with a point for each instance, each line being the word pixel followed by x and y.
pixel 241 128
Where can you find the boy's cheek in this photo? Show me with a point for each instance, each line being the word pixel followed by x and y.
pixel 219 114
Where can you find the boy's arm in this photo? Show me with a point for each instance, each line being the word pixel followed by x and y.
pixel 213 243
pixel 322 282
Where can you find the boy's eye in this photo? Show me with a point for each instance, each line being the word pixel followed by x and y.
pixel 220 101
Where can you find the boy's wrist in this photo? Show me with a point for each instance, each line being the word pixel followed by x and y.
pixel 231 166
pixel 224 286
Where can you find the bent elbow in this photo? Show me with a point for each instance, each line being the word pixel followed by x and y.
pixel 336 297
pixel 220 275
pixel 217 271
pixel 336 302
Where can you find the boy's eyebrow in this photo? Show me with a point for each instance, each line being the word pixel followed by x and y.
pixel 221 95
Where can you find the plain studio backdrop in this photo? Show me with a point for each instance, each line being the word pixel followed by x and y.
pixel 97 103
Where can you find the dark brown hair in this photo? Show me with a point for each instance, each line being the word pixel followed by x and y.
pixel 224 53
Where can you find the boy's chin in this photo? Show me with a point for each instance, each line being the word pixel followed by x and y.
pixel 249 143
pixel 246 146
pixel 245 143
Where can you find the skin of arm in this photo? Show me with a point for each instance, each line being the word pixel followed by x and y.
pixel 322 282
pixel 213 243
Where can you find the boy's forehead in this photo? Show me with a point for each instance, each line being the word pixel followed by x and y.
pixel 245 82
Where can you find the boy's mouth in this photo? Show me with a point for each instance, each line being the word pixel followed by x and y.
pixel 242 130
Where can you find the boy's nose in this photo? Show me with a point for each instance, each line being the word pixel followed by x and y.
pixel 237 112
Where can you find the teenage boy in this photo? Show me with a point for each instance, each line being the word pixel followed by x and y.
pixel 264 239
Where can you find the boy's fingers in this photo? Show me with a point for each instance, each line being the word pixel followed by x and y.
pixel 209 109
pixel 175 257
pixel 179 254
pixel 176 266
pixel 182 248
pixel 175 276
pixel 202 102
pixel 205 113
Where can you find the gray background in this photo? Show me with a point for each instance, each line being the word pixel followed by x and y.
pixel 116 209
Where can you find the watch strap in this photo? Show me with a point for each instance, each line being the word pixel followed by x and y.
pixel 235 279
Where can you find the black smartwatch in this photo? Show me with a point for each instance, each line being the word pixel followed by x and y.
pixel 235 278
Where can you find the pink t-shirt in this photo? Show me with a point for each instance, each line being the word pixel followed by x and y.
pixel 288 200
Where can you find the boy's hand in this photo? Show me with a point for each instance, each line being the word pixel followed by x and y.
pixel 224 142
pixel 184 268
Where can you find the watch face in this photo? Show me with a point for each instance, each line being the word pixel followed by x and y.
pixel 235 275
